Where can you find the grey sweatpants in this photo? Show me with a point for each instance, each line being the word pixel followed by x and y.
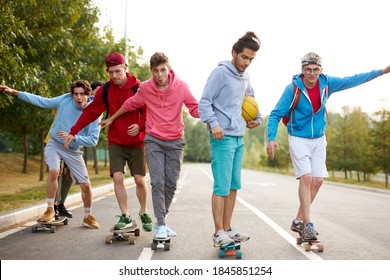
pixel 164 159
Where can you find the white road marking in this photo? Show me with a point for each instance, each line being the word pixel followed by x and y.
pixel 310 255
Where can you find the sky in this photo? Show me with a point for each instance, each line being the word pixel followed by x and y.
pixel 351 36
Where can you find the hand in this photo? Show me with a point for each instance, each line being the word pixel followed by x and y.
pixel 217 132
pixel 133 130
pixel 105 123
pixel 68 139
pixel 9 90
pixel 271 148
pixel 62 135
pixel 252 124
pixel 386 70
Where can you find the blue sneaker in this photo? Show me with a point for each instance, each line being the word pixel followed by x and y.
pixel 309 233
pixel 161 233
pixel 170 232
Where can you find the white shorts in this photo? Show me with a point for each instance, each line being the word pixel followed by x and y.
pixel 308 156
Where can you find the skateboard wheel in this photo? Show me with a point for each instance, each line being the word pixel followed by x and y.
pixel 108 239
pixel 154 246
pixel 222 253
pixel 167 246
pixel 299 241
pixel 307 247
pixel 52 229
pixel 238 255
pixel 137 232
pixel 320 248
pixel 34 229
pixel 131 240
pixel 66 221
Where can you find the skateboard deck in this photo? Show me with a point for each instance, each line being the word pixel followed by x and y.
pixel 127 234
pixel 161 243
pixel 49 226
pixel 310 245
pixel 231 250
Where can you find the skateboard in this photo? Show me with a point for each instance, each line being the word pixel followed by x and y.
pixel 49 226
pixel 127 234
pixel 161 243
pixel 231 250
pixel 310 245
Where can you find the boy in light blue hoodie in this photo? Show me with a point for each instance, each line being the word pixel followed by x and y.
pixel 69 107
pixel 220 108
pixel 306 130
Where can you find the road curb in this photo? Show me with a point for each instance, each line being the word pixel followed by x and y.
pixel 23 215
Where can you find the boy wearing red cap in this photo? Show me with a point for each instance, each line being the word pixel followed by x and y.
pixel 125 138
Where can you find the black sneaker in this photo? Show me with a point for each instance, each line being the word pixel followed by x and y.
pixel 56 213
pixel 63 211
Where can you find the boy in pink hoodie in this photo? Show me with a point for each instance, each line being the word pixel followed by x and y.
pixel 164 96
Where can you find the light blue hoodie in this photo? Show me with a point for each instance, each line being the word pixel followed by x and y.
pixel 304 122
pixel 66 116
pixel 220 104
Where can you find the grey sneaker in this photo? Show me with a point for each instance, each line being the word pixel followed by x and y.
pixel 309 233
pixel 124 222
pixel 234 234
pixel 297 226
pixel 222 238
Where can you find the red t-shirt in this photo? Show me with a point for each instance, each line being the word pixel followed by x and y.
pixel 314 95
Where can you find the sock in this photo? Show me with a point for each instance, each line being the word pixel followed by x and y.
pixel 50 202
pixel 87 212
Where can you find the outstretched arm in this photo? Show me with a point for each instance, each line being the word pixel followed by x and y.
pixel 9 90
pixel 107 122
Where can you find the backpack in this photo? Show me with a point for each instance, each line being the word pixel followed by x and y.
pixel 105 96
pixel 294 104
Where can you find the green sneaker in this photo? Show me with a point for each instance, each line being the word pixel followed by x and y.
pixel 124 222
pixel 146 222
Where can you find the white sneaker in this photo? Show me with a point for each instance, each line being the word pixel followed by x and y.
pixel 161 233
pixel 222 238
pixel 234 234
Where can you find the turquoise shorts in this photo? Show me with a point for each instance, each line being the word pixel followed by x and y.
pixel 226 162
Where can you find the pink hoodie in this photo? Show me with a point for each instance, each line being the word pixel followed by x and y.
pixel 164 109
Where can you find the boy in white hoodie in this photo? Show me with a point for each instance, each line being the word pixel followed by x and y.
pixel 164 96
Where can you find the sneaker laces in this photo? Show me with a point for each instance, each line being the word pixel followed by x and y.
pixel 145 218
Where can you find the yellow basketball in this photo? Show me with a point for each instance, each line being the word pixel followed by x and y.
pixel 249 108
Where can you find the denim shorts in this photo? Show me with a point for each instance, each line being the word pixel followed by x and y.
pixel 226 162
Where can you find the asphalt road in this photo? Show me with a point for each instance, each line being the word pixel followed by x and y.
pixel 353 224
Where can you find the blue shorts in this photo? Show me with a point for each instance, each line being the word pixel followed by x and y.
pixel 226 162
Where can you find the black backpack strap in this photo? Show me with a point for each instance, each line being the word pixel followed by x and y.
pixel 105 98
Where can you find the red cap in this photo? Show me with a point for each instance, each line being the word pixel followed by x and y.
pixel 115 59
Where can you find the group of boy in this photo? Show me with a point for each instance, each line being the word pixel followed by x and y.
pixel 146 128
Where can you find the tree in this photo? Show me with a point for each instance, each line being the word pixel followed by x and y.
pixel 380 141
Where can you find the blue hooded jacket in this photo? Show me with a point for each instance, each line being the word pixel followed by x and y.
pixel 221 101
pixel 66 116
pixel 305 123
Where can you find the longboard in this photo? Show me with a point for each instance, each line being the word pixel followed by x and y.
pixel 231 250
pixel 161 243
pixel 126 234
pixel 310 245
pixel 49 226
